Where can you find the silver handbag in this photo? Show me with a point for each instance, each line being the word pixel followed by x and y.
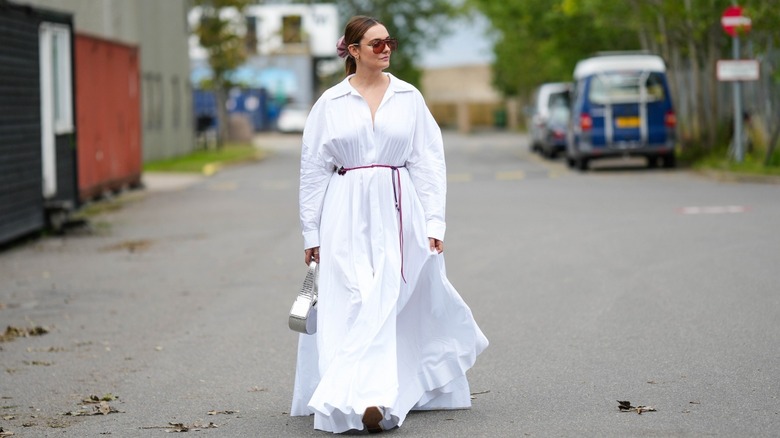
pixel 303 314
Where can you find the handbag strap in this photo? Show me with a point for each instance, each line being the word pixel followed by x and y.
pixel 310 287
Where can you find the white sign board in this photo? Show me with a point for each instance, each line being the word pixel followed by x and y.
pixel 737 70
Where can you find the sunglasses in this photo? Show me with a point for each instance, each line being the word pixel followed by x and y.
pixel 378 46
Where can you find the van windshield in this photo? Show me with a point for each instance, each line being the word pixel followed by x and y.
pixel 624 87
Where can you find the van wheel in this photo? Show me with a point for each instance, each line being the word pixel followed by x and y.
pixel 570 162
pixel 652 161
pixel 582 164
pixel 670 161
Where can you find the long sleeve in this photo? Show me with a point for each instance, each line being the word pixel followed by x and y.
pixel 428 170
pixel 315 174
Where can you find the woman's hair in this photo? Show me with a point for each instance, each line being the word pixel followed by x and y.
pixel 353 33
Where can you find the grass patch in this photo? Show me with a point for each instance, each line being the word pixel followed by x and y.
pixel 751 164
pixel 205 161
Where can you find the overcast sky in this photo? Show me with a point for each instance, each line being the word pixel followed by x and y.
pixel 466 45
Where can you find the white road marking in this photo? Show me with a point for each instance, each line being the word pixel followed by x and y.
pixel 510 176
pixel 728 209
pixel 459 177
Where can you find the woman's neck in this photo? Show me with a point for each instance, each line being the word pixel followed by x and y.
pixel 369 78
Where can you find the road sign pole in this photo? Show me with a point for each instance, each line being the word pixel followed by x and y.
pixel 738 152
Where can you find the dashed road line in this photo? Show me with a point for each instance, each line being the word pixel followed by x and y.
pixel 460 177
pixel 278 185
pixel 226 186
pixel 728 209
pixel 510 176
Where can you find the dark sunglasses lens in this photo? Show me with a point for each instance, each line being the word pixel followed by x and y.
pixel 379 46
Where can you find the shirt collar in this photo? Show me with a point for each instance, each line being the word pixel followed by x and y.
pixel 344 87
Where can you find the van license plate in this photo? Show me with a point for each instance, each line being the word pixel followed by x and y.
pixel 627 122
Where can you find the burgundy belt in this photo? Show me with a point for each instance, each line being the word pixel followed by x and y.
pixel 395 175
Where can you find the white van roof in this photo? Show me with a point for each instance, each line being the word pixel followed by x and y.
pixel 599 64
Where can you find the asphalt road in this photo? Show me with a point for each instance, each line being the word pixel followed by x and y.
pixel 657 287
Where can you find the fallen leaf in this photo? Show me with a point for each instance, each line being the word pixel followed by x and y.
pixel 695 403
pixel 222 412
pixel 198 426
pixel 9 417
pixel 130 246
pixel 75 413
pixel 474 394
pixel 45 350
pixel 180 427
pixel 12 333
pixel 93 399
pixel 39 363
pixel 625 406
pixel 257 389
pixel 103 408
pixel 5 432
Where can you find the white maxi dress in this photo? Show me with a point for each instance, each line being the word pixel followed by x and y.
pixel 391 330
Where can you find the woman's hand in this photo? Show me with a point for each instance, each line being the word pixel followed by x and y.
pixel 311 254
pixel 436 245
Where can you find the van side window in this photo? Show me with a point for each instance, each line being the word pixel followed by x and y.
pixel 655 87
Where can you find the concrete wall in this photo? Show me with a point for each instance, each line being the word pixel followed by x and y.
pixel 462 97
pixel 110 19
pixel 166 98
pixel 159 29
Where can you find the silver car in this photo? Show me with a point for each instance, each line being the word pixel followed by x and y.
pixel 550 103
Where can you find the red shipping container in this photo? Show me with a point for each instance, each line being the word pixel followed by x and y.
pixel 108 115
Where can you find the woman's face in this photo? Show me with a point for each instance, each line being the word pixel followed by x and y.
pixel 365 49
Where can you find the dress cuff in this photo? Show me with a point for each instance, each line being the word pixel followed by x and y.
pixel 311 239
pixel 436 229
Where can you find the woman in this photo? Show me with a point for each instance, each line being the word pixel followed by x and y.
pixel 392 333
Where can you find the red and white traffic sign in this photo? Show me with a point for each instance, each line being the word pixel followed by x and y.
pixel 734 23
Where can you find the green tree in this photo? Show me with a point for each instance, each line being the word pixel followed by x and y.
pixel 221 38
pixel 541 40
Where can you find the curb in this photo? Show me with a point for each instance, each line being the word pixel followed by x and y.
pixel 725 176
pixel 155 181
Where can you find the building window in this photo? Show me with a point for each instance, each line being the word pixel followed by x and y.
pixel 153 102
pixel 250 40
pixel 292 30
pixel 176 101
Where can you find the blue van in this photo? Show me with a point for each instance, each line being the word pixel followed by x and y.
pixel 621 106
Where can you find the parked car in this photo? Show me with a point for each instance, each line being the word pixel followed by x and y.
pixel 292 118
pixel 554 141
pixel 621 106
pixel 549 109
